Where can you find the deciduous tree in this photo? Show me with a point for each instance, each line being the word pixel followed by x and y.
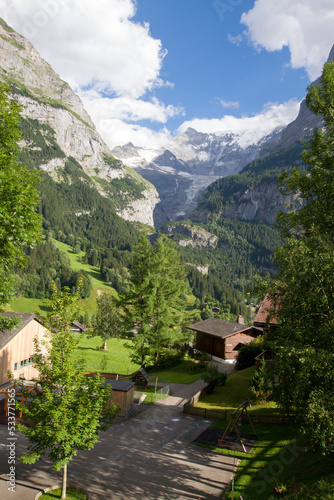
pixel 302 293
pixel 70 408
pixel 107 323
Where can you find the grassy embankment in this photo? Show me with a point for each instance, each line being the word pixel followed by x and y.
pixel 279 457
pixel 23 304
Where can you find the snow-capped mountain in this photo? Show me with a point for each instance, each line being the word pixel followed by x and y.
pixel 192 161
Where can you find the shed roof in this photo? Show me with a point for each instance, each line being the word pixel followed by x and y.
pixel 220 328
pixel 25 318
pixel 119 385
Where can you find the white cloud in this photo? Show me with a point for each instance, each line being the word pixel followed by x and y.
pixel 116 132
pixel 228 104
pixel 305 26
pixel 90 42
pixel 273 116
pixel 127 108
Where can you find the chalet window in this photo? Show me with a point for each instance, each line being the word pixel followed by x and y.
pixel 15 366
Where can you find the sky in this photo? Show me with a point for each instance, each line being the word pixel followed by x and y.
pixel 147 70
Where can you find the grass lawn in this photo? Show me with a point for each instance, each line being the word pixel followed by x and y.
pixel 182 373
pixel 177 378
pixel 115 360
pixel 94 272
pixel 232 394
pixel 71 494
pixel 277 460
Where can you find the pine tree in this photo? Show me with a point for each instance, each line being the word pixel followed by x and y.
pixel 152 305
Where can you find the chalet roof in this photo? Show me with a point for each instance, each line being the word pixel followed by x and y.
pixel 263 313
pixel 220 328
pixel 79 325
pixel 25 318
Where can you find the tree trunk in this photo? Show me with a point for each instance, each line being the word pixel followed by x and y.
pixel 105 345
pixel 63 489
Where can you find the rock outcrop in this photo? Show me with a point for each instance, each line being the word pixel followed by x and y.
pixel 190 235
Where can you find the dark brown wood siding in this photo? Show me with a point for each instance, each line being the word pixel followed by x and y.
pixel 211 345
pixel 223 348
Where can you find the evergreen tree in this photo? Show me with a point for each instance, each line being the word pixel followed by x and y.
pixel 152 305
pixel 70 408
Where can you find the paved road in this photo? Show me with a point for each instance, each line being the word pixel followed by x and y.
pixel 148 457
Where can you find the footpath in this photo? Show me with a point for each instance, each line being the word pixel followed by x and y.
pixel 149 456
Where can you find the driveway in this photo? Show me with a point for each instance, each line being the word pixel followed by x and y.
pixel 149 457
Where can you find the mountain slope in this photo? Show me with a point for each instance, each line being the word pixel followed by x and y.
pixel 56 127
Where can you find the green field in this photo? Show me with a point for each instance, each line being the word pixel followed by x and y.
pixel 277 460
pixel 115 360
pixel 93 272
pixel 22 304
pixel 232 394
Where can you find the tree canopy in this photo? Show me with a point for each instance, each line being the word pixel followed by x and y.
pixel 68 409
pixel 153 305
pixel 303 290
pixel 20 225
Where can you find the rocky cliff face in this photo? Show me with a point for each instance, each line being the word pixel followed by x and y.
pixel 262 204
pixel 49 100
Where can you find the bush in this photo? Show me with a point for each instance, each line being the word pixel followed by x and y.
pixel 213 376
pixel 247 354
pixel 169 357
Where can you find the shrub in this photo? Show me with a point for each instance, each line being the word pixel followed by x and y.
pixel 247 354
pixel 169 357
pixel 213 376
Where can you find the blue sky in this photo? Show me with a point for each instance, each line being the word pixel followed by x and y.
pixel 207 69
pixel 148 69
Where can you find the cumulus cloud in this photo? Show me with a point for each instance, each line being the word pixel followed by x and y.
pixel 253 128
pixel 116 132
pixel 112 62
pixel 304 26
pixel 91 42
pixel 126 108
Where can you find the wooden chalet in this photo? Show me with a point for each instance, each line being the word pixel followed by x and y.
pixel 265 318
pixel 223 339
pixel 78 327
pixel 17 347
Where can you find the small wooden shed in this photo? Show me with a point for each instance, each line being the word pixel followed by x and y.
pixel 223 339
pixel 123 394
pixel 140 378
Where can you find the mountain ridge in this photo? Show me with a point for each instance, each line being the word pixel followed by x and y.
pixel 54 111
